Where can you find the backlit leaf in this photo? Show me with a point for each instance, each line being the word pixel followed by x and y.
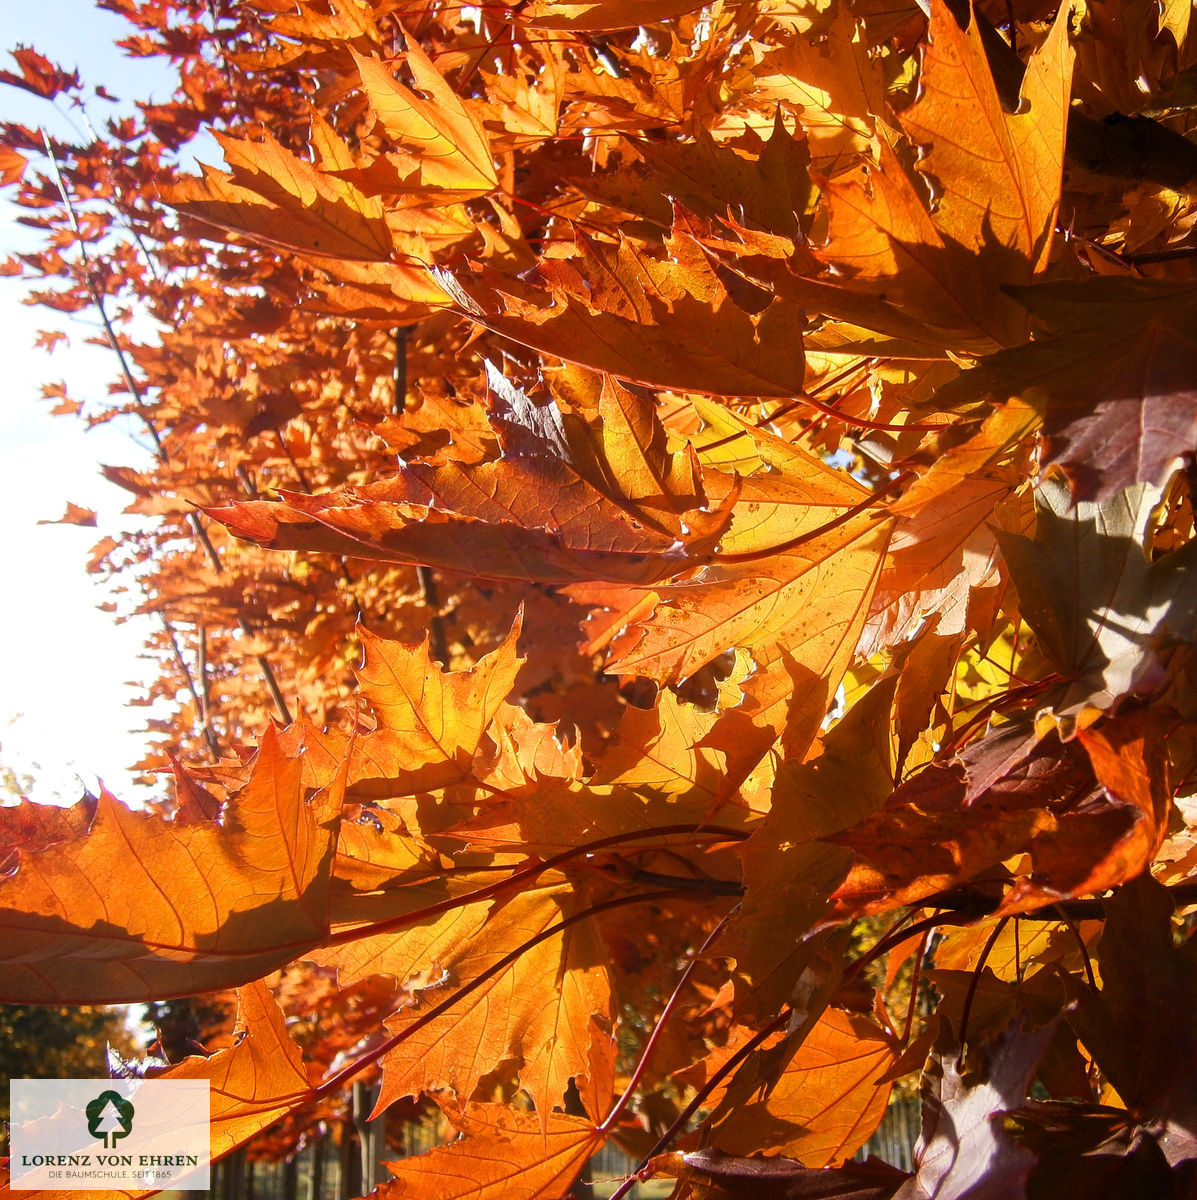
pixel 192 908
pixel 602 14
pixel 278 198
pixel 666 321
pixel 430 723
pixel 448 149
pixel 503 1155
pixel 828 1099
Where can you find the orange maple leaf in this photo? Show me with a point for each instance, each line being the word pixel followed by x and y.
pixel 194 906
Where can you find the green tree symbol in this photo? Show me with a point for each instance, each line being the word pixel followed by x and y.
pixel 110 1116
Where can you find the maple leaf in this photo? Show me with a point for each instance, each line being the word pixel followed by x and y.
pixel 1092 1150
pixel 251 1084
pixel 996 174
pixel 459 930
pixel 662 319
pixel 880 231
pixel 807 606
pixel 455 736
pixel 551 816
pixel 597 15
pixel 805 693
pixel 33 828
pixel 789 874
pixel 323 216
pixel 947 266
pixel 12 165
pixel 1085 829
pixel 503 1155
pixel 547 1032
pixel 525 109
pixel 194 907
pixel 503 1013
pixel 1176 19
pixel 969 814
pixel 672 749
pixel 789 582
pixel 430 724
pixel 1128 1026
pixel 1101 611
pixel 828 73
pixel 943 548
pixel 438 147
pixel 193 802
pixel 826 1102
pixel 963 1150
pixel 1108 840
pixel 39 75
pixel 255 1081
pixel 765 183
pixel 558 506
pixel 75 515
pixel 1119 406
pixel 50 339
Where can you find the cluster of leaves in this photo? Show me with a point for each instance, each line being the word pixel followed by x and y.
pixel 749 449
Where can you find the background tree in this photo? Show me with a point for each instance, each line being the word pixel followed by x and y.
pixel 59 1042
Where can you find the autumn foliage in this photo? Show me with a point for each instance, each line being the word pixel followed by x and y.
pixel 673 527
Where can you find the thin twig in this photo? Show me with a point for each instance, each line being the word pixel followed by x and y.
pixel 1155 256
pixel 427 581
pixel 202 669
pixel 97 299
pixel 916 978
pixel 990 941
pixel 436 623
pixel 201 534
pixel 150 261
pixel 699 1098
pixel 531 871
pixel 687 883
pixel 662 1020
pixel 1080 941
pixel 196 694
pixel 400 339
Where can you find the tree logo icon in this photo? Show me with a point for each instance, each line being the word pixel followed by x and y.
pixel 110 1116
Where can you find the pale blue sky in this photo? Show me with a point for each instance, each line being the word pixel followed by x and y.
pixel 63 664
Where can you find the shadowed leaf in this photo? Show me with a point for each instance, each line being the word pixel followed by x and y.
pixel 1120 405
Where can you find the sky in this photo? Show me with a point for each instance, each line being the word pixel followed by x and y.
pixel 67 670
